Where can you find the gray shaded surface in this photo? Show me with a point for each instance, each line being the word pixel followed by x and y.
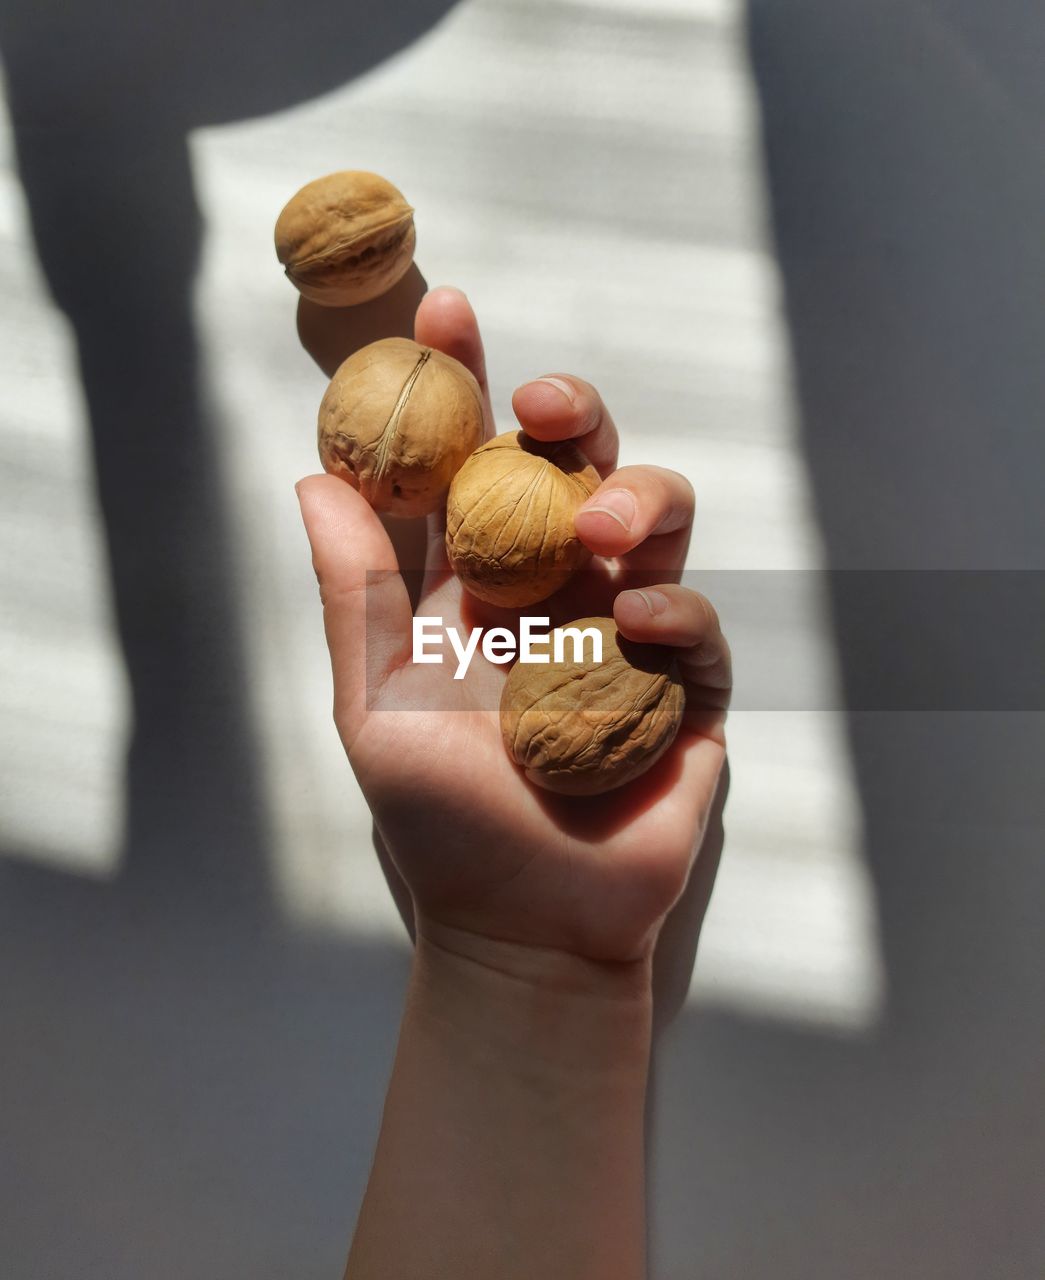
pixel 196 1018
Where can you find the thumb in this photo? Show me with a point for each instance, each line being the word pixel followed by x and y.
pixel 366 608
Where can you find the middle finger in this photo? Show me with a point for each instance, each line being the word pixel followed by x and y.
pixel 562 407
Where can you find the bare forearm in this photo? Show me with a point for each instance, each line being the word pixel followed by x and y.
pixel 512 1139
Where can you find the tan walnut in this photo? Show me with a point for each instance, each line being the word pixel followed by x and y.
pixel 510 536
pixel 580 727
pixel 397 421
pixel 346 238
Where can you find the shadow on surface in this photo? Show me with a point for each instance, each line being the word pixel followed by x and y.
pixel 192 1090
pixel 907 200
pixel 184 1094
pixel 189 1090
pixel 101 100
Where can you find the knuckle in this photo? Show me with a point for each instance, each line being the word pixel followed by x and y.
pixel 707 623
pixel 714 623
pixel 671 497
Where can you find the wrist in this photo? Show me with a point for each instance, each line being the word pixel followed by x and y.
pixel 512 1138
pixel 547 969
pixel 535 1005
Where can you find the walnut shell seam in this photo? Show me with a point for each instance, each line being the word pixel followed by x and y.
pixel 341 254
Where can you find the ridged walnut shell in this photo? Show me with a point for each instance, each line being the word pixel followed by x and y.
pixel 582 728
pixel 397 421
pixel 510 536
pixel 346 238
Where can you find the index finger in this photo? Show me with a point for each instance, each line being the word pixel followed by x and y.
pixel 445 320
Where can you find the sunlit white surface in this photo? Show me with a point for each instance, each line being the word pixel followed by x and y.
pixel 63 700
pixel 609 222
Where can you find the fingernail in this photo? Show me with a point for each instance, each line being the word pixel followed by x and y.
pixel 655 601
pixel 560 385
pixel 450 288
pixel 616 503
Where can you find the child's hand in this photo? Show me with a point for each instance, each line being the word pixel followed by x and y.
pixel 487 857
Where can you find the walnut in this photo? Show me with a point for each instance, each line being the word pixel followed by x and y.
pixel 509 518
pixel 581 728
pixel 397 421
pixel 346 238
